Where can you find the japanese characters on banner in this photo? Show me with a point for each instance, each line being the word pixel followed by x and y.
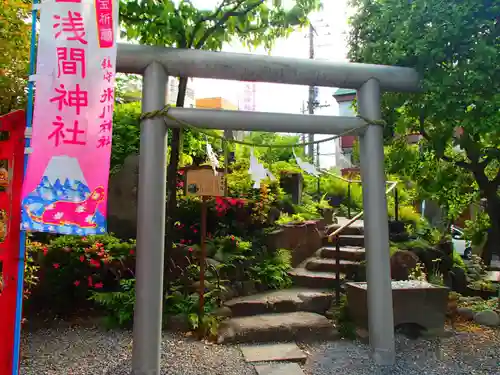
pixel 66 183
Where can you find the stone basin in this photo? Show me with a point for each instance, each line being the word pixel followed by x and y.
pixel 414 302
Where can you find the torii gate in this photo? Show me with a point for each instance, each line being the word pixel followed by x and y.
pixel 156 64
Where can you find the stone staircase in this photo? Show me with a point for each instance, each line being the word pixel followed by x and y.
pixel 299 312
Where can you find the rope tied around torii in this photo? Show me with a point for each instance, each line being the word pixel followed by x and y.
pixel 164 113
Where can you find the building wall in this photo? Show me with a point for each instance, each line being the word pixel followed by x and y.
pixel 345 144
pixel 215 103
pixel 173 90
pixel 223 104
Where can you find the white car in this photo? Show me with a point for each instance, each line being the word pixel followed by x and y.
pixel 460 245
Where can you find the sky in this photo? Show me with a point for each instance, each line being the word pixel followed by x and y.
pixel 331 24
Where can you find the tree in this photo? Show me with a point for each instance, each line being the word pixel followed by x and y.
pixel 14 54
pixel 455 46
pixel 453 189
pixel 183 25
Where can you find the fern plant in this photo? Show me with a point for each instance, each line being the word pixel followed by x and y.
pixel 273 271
pixel 119 306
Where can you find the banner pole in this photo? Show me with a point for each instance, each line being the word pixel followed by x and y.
pixel 22 239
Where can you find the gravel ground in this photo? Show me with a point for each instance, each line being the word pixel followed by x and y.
pixel 463 353
pixel 91 351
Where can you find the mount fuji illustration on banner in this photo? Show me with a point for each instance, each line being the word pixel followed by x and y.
pixel 63 203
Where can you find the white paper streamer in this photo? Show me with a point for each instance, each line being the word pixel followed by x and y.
pixel 258 172
pixel 306 167
pixel 212 158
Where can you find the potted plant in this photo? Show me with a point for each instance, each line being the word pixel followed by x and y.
pixel 325 209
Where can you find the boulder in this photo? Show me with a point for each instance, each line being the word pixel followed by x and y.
pixel 487 318
pixel 457 279
pixel 122 199
pixel 466 313
pixel 402 262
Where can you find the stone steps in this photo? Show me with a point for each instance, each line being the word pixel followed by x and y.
pixel 281 301
pixel 354 240
pixel 330 265
pixel 278 327
pixel 304 278
pixel 355 254
pixel 353 229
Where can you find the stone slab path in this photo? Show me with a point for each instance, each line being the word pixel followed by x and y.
pixel 279 369
pixel 273 352
pixel 275 359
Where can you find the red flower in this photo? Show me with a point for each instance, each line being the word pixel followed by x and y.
pixel 98 244
pixel 132 251
pixel 183 241
pixel 82 258
pixel 98 285
pixel 56 265
pixel 76 283
pixel 195 231
pixel 180 184
pixel 89 280
pixel 180 172
pixel 45 250
pixel 84 239
pixel 232 238
pixel 95 263
pixel 190 249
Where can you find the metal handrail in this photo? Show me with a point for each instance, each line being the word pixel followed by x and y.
pixel 356 217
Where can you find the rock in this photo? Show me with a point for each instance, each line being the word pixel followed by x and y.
pixel 487 318
pixel 224 312
pixel 396 227
pixel 195 286
pixel 178 323
pixel 248 287
pixel 458 280
pixel 212 262
pixel 402 262
pixel 399 237
pixel 122 199
pixel 466 313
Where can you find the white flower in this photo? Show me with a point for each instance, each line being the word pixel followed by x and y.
pixel 88 219
pixel 58 215
pixel 80 209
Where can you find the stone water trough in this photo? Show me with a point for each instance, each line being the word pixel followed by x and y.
pixel 414 302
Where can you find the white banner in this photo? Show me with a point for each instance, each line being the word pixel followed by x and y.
pixel 65 189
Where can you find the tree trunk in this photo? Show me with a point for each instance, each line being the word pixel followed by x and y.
pixel 173 164
pixel 493 240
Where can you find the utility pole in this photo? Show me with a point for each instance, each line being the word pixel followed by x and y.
pixel 312 96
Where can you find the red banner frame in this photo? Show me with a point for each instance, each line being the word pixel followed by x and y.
pixel 11 150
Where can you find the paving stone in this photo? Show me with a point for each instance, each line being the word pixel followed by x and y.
pixel 282 301
pixel 284 327
pixel 273 352
pixel 279 369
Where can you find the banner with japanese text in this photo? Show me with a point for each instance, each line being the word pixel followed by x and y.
pixel 66 182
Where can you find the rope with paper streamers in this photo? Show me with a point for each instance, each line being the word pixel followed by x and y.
pixel 164 113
